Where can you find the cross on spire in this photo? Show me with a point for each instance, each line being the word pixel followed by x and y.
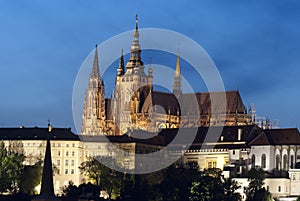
pixel 136 21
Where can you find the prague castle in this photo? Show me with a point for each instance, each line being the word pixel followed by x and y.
pixel 134 104
pixel 136 108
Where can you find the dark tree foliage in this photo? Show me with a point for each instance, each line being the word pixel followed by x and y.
pixel 212 186
pixel 262 195
pixel 182 182
pixel 256 179
pixel 10 170
pixel 72 191
pixel 108 179
pixel 31 177
pixel 275 173
pixel 178 181
pixel 208 187
pixel 230 188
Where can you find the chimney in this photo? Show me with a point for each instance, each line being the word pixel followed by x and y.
pixel 49 128
pixel 239 134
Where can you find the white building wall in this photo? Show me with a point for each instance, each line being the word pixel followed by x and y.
pixel 258 151
pixel 203 157
pixel 294 175
pixel 67 157
pixel 287 199
pixel 234 154
pixel 278 187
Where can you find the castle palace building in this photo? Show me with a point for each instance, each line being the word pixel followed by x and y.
pixel 134 104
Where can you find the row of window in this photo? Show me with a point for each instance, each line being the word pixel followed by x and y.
pixel 285 161
pixel 40 152
pixel 263 161
pixel 67 171
pixel 59 145
pixel 279 189
pixel 277 161
pixel 212 162
pixel 72 171
pixel 131 79
pixel 66 162
pixel 52 145
pixel 67 153
pixel 34 144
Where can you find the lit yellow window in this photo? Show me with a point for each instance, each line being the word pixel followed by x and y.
pixel 211 163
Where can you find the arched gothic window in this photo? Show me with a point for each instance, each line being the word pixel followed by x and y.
pixel 253 161
pixel 277 162
pixel 292 161
pixel 263 161
pixel 285 162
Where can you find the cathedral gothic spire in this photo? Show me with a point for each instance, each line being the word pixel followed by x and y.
pixel 94 117
pixel 135 51
pixel 95 69
pixel 177 77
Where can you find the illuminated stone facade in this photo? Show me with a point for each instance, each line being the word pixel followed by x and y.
pixel 134 104
pixel 67 151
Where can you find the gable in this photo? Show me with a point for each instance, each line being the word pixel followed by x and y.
pixel 261 139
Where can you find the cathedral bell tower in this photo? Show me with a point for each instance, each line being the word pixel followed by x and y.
pixel 132 87
pixel 93 117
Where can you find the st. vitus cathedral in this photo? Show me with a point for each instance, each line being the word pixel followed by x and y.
pixel 135 105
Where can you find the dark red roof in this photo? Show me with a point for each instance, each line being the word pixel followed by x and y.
pixel 233 99
pixel 189 104
pixel 284 136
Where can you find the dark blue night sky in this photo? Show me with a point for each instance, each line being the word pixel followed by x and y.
pixel 254 44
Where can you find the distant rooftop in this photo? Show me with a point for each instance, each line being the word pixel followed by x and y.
pixel 32 133
pixel 219 137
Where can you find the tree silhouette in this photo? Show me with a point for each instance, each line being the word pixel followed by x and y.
pixel 107 178
pixel 10 170
pixel 31 177
pixel 212 186
pixel 256 179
